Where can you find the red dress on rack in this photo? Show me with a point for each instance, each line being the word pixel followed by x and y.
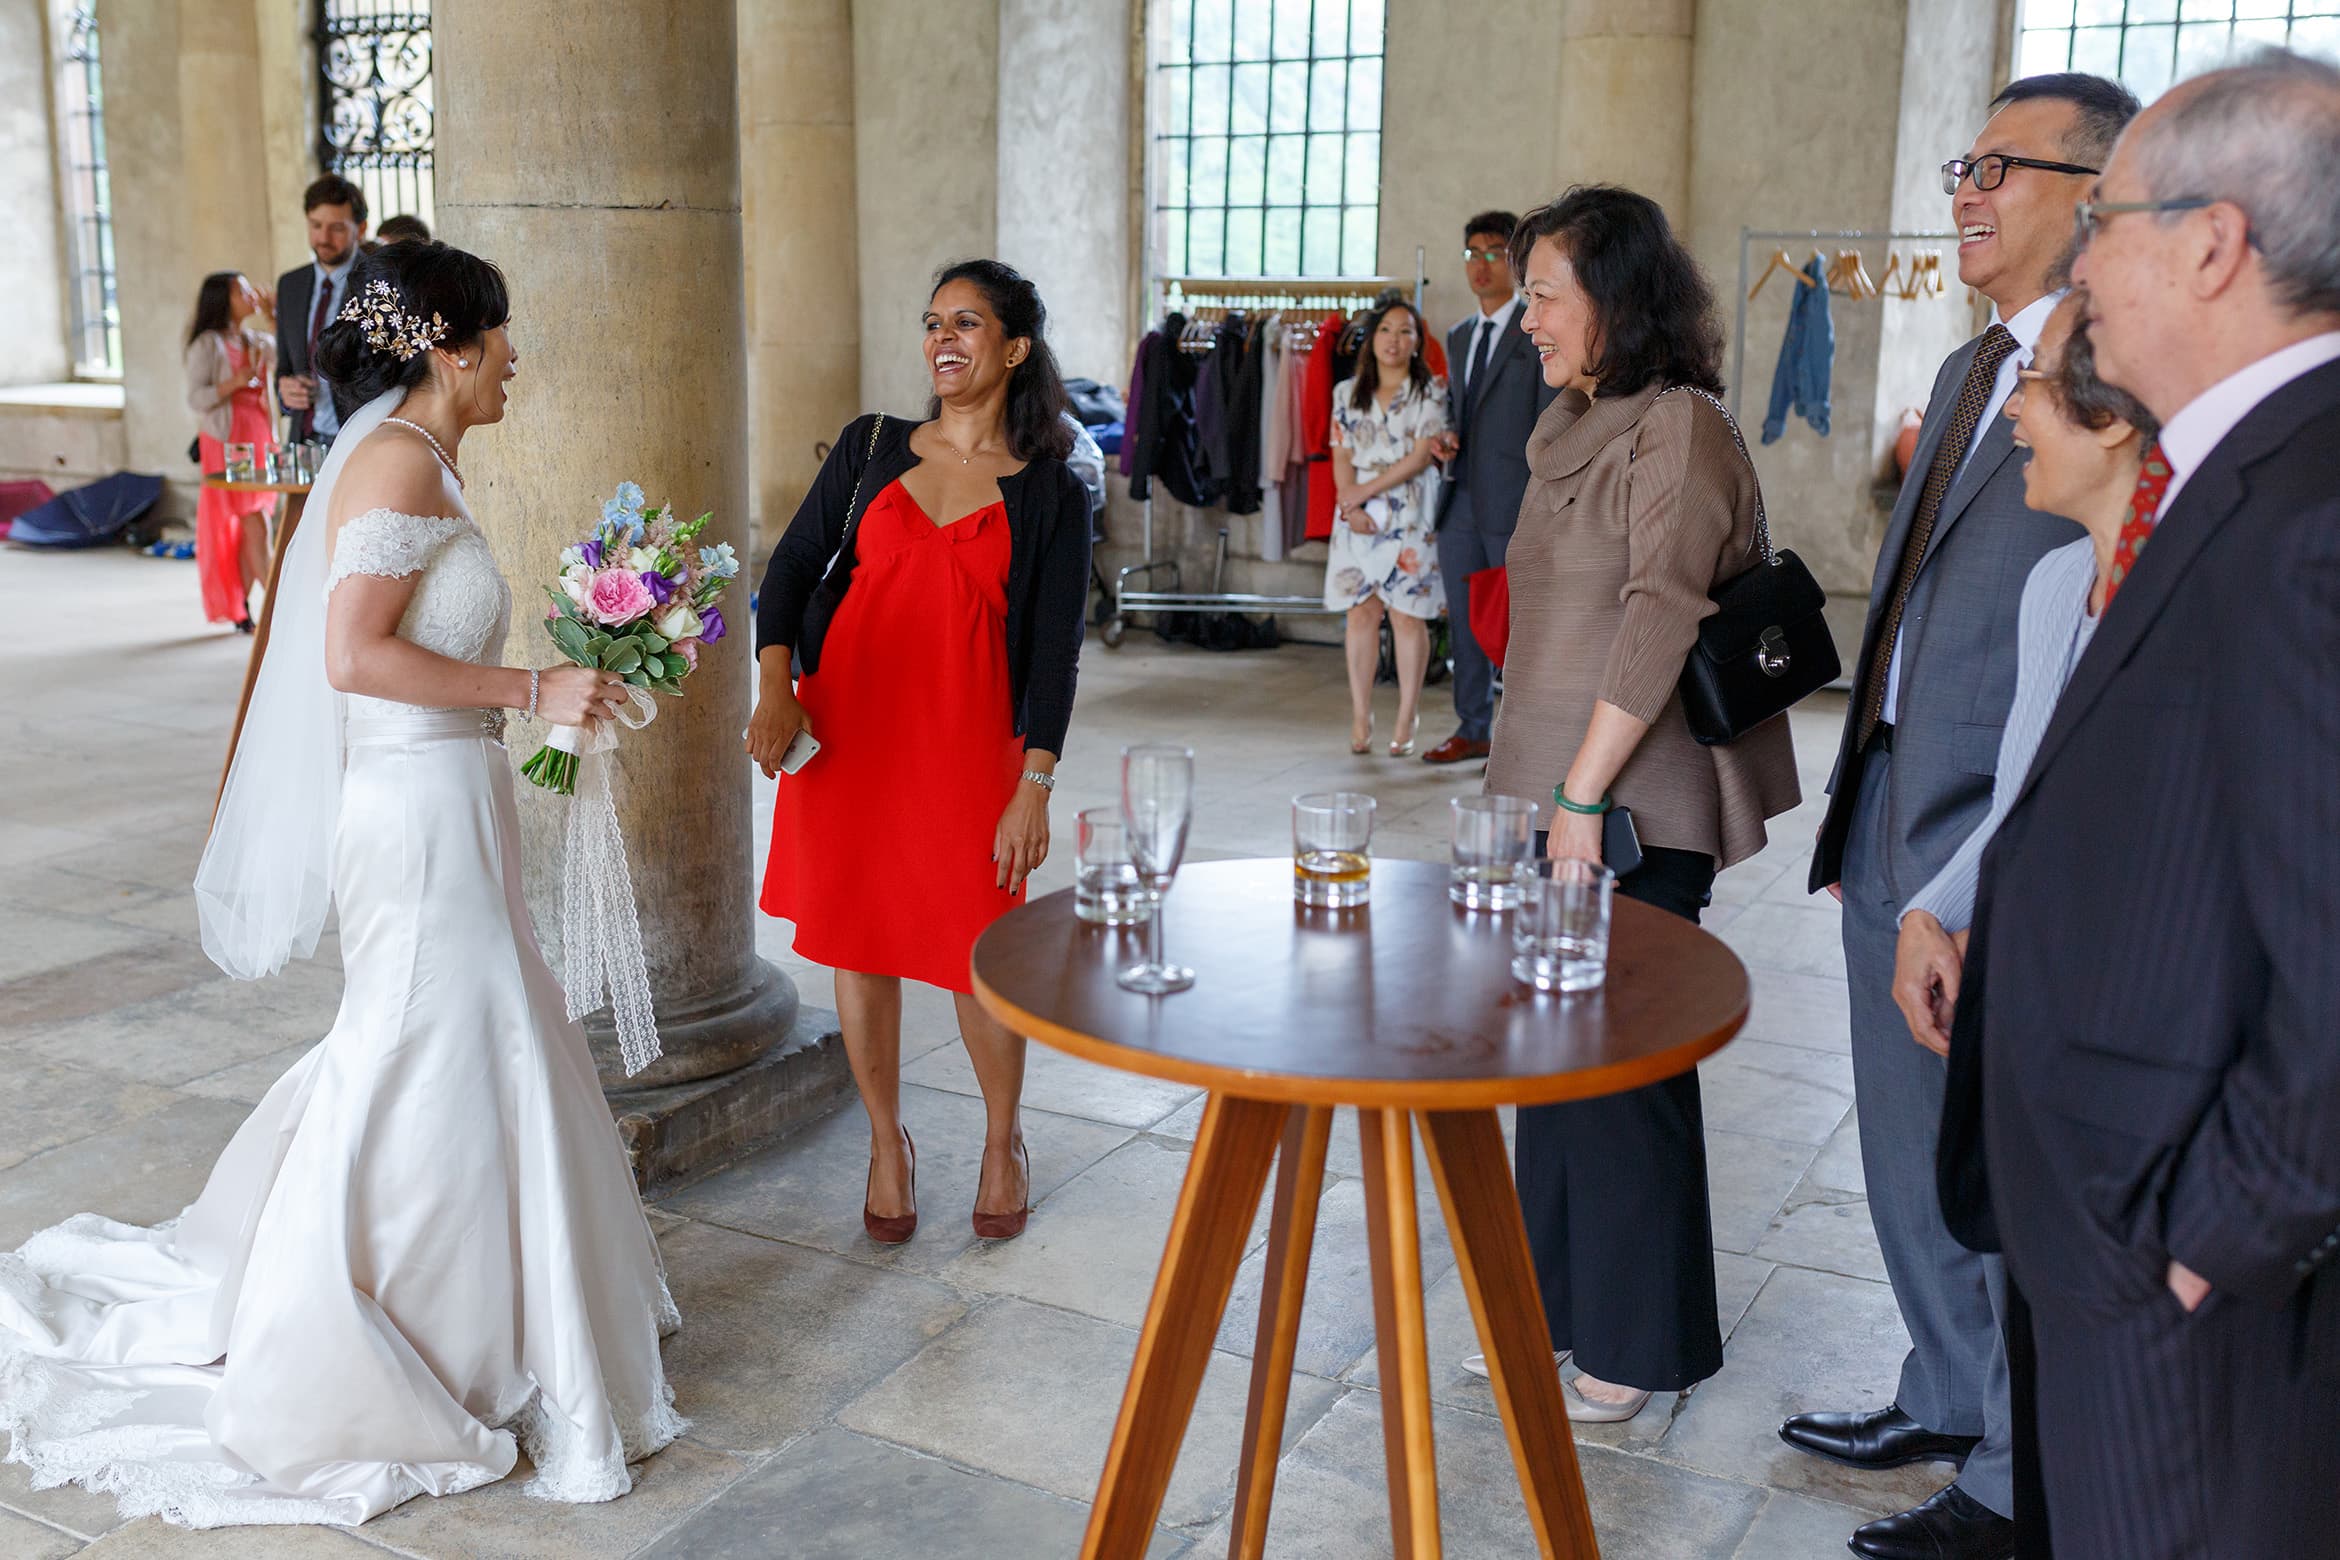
pixel 1316 398
pixel 881 844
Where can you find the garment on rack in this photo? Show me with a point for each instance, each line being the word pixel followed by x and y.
pixel 1806 354
pixel 1162 442
pixel 1324 366
pixel 1292 481
pixel 1273 435
pixel 1212 390
pixel 1243 427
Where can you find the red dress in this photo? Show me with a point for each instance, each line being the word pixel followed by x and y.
pixel 881 845
pixel 220 516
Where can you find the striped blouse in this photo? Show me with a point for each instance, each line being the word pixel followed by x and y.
pixel 2052 631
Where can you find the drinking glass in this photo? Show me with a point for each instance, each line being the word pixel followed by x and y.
pixel 1494 840
pixel 1560 935
pixel 1106 889
pixel 1157 804
pixel 238 463
pixel 1332 848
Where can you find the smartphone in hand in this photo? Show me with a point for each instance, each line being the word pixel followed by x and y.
pixel 801 748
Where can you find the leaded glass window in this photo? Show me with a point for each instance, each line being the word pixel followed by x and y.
pixel 89 200
pixel 2149 45
pixel 379 110
pixel 1267 137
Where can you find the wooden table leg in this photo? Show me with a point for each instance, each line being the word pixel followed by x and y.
pixel 294 503
pixel 1473 1172
pixel 1394 1239
pixel 1208 1232
pixel 1291 1237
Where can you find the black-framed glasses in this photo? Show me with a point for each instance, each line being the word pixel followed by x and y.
pixel 2089 215
pixel 1488 255
pixel 1990 170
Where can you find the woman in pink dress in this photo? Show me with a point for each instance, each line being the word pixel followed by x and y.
pixel 229 364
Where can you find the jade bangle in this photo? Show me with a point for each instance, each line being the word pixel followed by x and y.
pixel 1561 801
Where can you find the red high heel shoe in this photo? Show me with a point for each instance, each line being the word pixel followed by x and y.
pixel 894 1228
pixel 1007 1226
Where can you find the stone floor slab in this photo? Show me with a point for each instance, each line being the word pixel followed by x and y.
pixel 152 1539
pixel 1051 1429
pixel 836 1495
pixel 1065 1085
pixel 1810 1341
pixel 68 1506
pixel 21 1538
pixel 208 1026
pixel 501 1522
pixel 141 1172
pixel 811 1193
pixel 1097 1245
pixel 49 1103
pixel 1812 1012
pixel 31 942
pixel 1331 1498
pixel 1797 1527
pixel 1833 1235
pixel 1336 1315
pixel 1837 1167
pixel 1748 1180
pixel 1777 1091
pixel 776 1338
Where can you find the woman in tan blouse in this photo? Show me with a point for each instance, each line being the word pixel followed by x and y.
pixel 1639 500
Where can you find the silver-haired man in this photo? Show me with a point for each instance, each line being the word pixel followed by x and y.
pixel 2148 1040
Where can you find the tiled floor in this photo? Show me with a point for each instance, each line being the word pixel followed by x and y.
pixel 937 1401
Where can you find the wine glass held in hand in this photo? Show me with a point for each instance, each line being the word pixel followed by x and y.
pixel 1157 804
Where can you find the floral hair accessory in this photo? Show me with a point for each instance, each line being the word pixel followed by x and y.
pixel 390 328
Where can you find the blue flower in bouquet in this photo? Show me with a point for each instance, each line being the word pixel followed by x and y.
pixel 622 515
pixel 712 626
pixel 659 586
pixel 719 562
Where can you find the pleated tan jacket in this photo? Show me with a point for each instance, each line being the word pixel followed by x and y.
pixel 1635 507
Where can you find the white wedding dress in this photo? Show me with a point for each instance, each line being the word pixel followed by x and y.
pixel 423 1252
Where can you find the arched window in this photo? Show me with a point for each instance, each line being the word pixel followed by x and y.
pixel 379 111
pixel 1266 122
pixel 89 200
pixel 2150 44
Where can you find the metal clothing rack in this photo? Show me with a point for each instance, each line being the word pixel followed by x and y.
pixel 1181 294
pixel 1748 237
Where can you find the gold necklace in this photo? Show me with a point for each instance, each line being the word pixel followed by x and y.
pixel 964 460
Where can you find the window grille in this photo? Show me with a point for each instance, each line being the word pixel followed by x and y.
pixel 89 201
pixel 2149 45
pixel 378 107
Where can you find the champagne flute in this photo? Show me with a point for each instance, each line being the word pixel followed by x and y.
pixel 1157 804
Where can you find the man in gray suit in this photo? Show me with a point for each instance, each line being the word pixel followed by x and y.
pixel 1497 392
pixel 1931 688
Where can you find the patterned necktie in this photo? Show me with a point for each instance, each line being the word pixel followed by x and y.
pixel 2144 515
pixel 1982 377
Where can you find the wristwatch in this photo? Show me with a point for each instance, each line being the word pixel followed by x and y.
pixel 1044 782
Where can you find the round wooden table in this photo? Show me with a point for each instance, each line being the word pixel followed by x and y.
pixel 1406 1009
pixel 296 498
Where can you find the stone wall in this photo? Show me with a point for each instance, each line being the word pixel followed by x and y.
pixel 33 262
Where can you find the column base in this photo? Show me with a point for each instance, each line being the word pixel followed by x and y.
pixel 705 1040
pixel 678 1132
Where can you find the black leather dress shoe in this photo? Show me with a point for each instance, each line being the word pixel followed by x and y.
pixel 1951 1525
pixel 1881 1438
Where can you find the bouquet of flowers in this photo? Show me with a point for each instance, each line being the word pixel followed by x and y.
pixel 634 598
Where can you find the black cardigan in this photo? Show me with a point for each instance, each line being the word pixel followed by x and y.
pixel 1048 570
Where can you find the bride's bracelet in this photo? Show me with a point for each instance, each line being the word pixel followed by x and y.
pixel 533 677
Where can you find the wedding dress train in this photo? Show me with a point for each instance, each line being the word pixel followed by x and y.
pixel 423 1252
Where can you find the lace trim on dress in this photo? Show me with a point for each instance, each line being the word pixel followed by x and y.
pixel 386 543
pixel 572 1469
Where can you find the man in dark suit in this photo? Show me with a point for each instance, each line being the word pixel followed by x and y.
pixel 1932 684
pixel 2147 1042
pixel 308 298
pixel 1497 392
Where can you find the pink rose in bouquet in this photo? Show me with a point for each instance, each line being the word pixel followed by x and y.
pixel 618 596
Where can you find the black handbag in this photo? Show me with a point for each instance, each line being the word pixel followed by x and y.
pixel 1766 644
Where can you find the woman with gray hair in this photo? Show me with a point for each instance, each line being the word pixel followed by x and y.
pixel 2090 442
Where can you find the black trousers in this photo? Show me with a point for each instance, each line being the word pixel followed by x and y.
pixel 1614 1194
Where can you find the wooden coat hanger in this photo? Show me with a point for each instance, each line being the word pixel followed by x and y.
pixel 1780 261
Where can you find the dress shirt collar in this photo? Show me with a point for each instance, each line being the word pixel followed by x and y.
pixel 2204 422
pixel 2028 323
pixel 332 277
pixel 1502 318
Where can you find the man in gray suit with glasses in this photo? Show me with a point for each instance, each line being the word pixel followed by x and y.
pixel 1931 687
pixel 1497 391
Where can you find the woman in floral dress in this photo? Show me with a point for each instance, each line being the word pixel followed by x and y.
pixel 1384 559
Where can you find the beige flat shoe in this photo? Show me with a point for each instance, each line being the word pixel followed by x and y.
pixel 1584 1411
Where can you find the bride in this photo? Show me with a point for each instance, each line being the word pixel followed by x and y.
pixel 423 1253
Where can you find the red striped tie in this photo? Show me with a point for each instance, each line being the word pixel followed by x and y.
pixel 2144 514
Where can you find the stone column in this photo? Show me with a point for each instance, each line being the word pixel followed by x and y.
pixel 593 152
pixel 1625 97
pixel 804 285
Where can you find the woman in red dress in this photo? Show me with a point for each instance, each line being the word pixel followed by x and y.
pixel 228 368
pixel 932 586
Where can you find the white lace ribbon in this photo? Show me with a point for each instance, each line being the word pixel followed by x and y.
pixel 601 936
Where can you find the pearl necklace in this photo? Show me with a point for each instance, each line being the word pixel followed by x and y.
pixel 436 448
